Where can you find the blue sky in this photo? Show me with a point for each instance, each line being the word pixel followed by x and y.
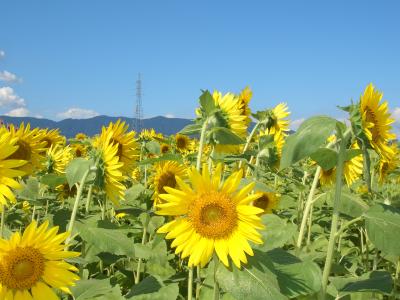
pixel 80 58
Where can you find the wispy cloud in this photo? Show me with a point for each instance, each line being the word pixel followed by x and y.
pixel 170 116
pixel 2 54
pixel 8 77
pixel 77 113
pixel 18 112
pixel 294 125
pixel 8 97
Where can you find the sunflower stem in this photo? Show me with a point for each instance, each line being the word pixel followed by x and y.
pixel 248 141
pixel 216 285
pixel 198 282
pixel 201 144
pixel 307 208
pixel 137 278
pixel 75 208
pixel 335 214
pixel 88 199
pixel 190 284
pixel 3 216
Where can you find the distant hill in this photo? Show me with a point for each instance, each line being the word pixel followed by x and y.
pixel 92 126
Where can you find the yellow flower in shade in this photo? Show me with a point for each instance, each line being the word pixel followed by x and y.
pixel 58 158
pixel 26 207
pixel 233 117
pixel 388 165
pixel 164 174
pixel 136 174
pixel 165 148
pixel 81 136
pixel 30 148
pixel 376 121
pixel 51 137
pixel 128 152
pixel 182 142
pixel 32 263
pixel 211 216
pixel 65 192
pixel 8 167
pixel 244 99
pixel 267 202
pixel 352 170
pixel 279 119
pixel 78 150
pixel 111 168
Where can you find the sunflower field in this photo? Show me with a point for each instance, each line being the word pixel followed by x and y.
pixel 235 206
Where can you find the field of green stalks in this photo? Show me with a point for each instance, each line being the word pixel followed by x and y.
pixel 234 206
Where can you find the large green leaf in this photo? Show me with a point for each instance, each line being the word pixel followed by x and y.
pixel 376 281
pixel 325 158
pixel 295 277
pixel 191 129
pixel 152 288
pixel 207 103
pixel 277 233
pixel 96 289
pixel 52 180
pixel 224 136
pixel 310 136
pixel 106 240
pixel 383 226
pixel 76 169
pixel 254 281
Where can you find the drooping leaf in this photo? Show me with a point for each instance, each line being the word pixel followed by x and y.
pixel 76 169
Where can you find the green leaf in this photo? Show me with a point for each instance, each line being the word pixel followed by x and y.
pixel 376 281
pixel 106 240
pixel 30 190
pixel 96 289
pixel 352 205
pixel 295 277
pixel 383 226
pixel 310 136
pixel 278 232
pixel 224 136
pixel 76 169
pixel 207 103
pixel 152 288
pixel 254 281
pixel 168 156
pixel 53 180
pixel 351 153
pixel 325 158
pixel 153 147
pixel 191 129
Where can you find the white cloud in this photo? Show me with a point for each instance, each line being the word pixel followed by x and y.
pixel 77 113
pixel 2 54
pixel 396 114
pixel 8 77
pixel 8 97
pixel 170 116
pixel 18 112
pixel 294 125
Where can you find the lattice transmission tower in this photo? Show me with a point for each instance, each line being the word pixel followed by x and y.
pixel 138 122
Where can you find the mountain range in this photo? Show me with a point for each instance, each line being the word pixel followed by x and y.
pixel 92 126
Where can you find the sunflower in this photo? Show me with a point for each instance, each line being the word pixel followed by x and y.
pixel 279 122
pixel 267 202
pixel 81 136
pixel 164 176
pixel 8 167
pixel 244 99
pixel 110 168
pixel 51 137
pixel 376 121
pixel 136 174
pixel 30 147
pixel 165 148
pixel 182 142
pixel 387 165
pixel 127 147
pixel 232 116
pixel 210 215
pixel 65 192
pixel 78 150
pixel 58 158
pixel 150 134
pixel 33 263
pixel 352 170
